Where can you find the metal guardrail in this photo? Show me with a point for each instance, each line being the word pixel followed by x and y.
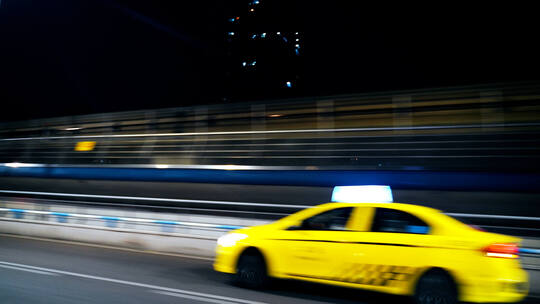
pixel 345 130
pixel 467 128
pixel 155 199
pixel 273 111
pixel 514 147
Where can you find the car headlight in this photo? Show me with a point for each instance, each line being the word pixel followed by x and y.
pixel 230 239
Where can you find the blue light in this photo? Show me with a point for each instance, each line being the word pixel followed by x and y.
pixel 254 63
pixel 254 36
pixel 288 84
pixel 263 35
pixel 244 63
pixel 362 194
pixel 232 19
pixel 297 52
pixel 256 2
pixel 231 33
pixel 417 229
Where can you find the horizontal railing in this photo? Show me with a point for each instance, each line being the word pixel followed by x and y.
pixel 272 113
pixel 509 224
pixel 513 146
pixel 467 128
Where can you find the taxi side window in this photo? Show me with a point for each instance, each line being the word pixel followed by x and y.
pixel 390 220
pixel 335 219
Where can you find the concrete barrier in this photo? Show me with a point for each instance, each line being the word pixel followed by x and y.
pixel 143 230
pixel 189 244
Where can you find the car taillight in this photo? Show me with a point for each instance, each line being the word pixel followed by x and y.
pixel 502 250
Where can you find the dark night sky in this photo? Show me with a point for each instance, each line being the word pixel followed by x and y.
pixel 62 57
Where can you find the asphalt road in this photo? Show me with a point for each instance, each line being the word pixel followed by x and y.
pixel 36 271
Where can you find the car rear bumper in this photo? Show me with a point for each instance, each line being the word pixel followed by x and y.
pixel 512 287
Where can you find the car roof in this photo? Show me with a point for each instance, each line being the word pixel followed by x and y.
pixel 398 206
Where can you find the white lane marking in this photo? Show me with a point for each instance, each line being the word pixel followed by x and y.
pixel 29 270
pixel 172 294
pixel 129 283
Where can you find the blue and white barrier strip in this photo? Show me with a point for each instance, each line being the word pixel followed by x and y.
pixel 62 218
pixel 529 251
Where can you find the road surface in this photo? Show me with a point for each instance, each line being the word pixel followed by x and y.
pixel 38 271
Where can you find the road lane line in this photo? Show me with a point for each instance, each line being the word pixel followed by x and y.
pixel 29 270
pixel 129 283
pixel 172 294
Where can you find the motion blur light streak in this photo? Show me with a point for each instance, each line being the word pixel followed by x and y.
pixel 21 165
pixel 85 146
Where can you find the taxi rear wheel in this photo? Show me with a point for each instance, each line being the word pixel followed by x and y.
pixel 251 271
pixel 436 287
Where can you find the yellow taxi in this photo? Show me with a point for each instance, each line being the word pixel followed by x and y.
pixel 387 247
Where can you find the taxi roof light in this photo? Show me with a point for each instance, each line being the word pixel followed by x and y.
pixel 362 194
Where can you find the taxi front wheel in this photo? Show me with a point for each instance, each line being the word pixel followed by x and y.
pixel 251 271
pixel 436 287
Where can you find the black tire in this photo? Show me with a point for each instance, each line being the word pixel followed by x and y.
pixel 251 272
pixel 435 287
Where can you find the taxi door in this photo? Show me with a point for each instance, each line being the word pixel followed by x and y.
pixel 391 255
pixel 319 245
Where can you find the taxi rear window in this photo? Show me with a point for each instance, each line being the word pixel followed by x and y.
pixel 396 221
